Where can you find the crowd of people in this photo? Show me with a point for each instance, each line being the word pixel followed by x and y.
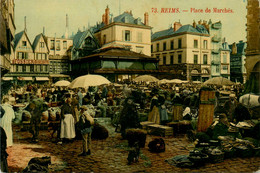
pixel 77 106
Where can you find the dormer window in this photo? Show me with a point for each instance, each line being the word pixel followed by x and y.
pixel 24 43
pixel 138 21
pixel 42 44
pixel 126 19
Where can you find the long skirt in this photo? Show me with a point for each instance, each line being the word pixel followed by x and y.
pixel 67 127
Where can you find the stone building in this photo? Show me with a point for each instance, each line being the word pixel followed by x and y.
pixel 215 31
pixel 118 48
pixel 225 60
pixel 237 62
pixel 184 51
pixel 59 56
pixel 253 38
pixel 124 30
pixel 7 34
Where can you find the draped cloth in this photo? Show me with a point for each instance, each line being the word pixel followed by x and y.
pixel 68 127
pixel 6 122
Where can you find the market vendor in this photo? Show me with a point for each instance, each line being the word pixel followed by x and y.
pixel 36 107
pixel 230 106
pixel 129 116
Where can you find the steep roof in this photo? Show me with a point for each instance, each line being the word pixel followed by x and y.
pixel 17 38
pixel 241 46
pixel 200 29
pixel 36 40
pixel 80 37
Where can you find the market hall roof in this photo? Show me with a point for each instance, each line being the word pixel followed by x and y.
pixel 200 29
pixel 117 52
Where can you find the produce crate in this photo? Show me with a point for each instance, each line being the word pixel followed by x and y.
pixel 160 130
pixel 144 124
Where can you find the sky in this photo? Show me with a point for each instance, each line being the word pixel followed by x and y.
pixel 51 14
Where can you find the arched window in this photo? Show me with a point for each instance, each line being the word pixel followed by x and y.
pixel 205 71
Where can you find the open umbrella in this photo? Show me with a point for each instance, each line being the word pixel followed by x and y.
pixel 163 81
pixel 146 78
pixel 88 80
pixel 218 81
pixel 62 83
pixel 176 81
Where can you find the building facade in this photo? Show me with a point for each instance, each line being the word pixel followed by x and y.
pixel 215 31
pixel 184 52
pixel 253 38
pixel 30 61
pixel 225 60
pixel 59 56
pixel 125 30
pixel 237 62
pixel 7 34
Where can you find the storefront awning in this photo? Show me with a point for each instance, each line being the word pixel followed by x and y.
pixel 7 78
pixel 59 75
pixel 24 78
pixel 42 79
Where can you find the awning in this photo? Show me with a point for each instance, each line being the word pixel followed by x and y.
pixel 42 78
pixel 7 78
pixel 58 75
pixel 24 78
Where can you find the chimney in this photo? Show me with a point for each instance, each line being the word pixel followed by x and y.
pixel 146 22
pixel 234 48
pixel 131 13
pixel 177 26
pixel 43 31
pixel 107 16
pixel 199 22
pixel 25 29
pixel 103 18
pixel 66 35
pixel 194 24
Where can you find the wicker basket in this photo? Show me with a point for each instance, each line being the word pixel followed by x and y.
pixel 198 158
pixel 216 157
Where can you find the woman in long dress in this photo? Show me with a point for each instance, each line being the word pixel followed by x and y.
pixel 6 121
pixel 67 121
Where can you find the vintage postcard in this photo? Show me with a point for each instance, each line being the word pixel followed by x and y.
pixel 129 85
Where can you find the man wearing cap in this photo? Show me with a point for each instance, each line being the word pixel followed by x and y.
pixel 85 126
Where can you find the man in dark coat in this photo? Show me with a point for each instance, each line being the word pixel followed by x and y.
pixel 129 116
pixel 36 107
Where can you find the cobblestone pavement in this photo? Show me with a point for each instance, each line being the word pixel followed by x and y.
pixel 110 155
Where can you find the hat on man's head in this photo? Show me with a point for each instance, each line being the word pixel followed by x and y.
pixel 84 107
